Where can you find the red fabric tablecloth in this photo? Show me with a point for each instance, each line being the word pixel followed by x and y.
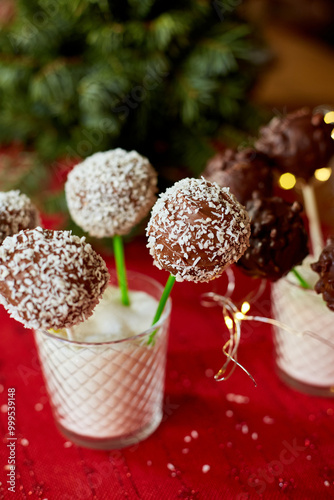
pixel 227 440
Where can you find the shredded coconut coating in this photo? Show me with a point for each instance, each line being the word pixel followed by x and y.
pixel 17 212
pixel 50 279
pixel 109 193
pixel 196 230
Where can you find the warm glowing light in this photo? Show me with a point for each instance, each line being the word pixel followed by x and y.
pixel 245 307
pixel 323 174
pixel 329 117
pixel 239 316
pixel 59 332
pixel 332 134
pixel 228 322
pixel 287 181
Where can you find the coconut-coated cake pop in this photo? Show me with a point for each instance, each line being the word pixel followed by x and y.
pixel 278 239
pixel 109 193
pixel 50 279
pixel 196 230
pixel 299 142
pixel 17 212
pixel 325 268
pixel 243 171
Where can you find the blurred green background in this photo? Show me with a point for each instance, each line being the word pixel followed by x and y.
pixel 174 80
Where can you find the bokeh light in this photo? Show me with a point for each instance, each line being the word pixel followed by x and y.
pixel 245 307
pixel 228 322
pixel 287 181
pixel 323 174
pixel 329 117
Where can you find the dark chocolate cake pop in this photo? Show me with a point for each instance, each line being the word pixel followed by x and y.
pixel 278 239
pixel 325 268
pixel 299 142
pixel 196 230
pixel 17 212
pixel 242 171
pixel 50 279
pixel 109 193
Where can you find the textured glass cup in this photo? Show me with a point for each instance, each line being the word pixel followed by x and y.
pixel 304 362
pixel 108 395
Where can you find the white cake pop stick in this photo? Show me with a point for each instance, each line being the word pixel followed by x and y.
pixel 312 213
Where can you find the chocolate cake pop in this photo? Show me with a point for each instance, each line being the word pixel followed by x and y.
pixel 196 230
pixel 17 212
pixel 325 268
pixel 110 192
pixel 242 171
pixel 299 142
pixel 50 279
pixel 278 239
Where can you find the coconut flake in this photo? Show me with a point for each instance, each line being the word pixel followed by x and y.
pixel 110 192
pixel 197 229
pixel 50 279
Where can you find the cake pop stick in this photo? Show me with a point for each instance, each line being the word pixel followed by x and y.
pixel 312 213
pixel 121 269
pixel 161 306
pixel 165 294
pixel 300 278
pixel 108 194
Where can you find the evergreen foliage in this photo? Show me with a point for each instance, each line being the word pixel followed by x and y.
pixel 163 77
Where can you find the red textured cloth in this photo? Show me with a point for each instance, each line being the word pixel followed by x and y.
pixel 227 440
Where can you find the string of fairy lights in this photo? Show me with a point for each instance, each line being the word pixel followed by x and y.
pixel 233 318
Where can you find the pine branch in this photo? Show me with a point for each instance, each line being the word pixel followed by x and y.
pixel 165 78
